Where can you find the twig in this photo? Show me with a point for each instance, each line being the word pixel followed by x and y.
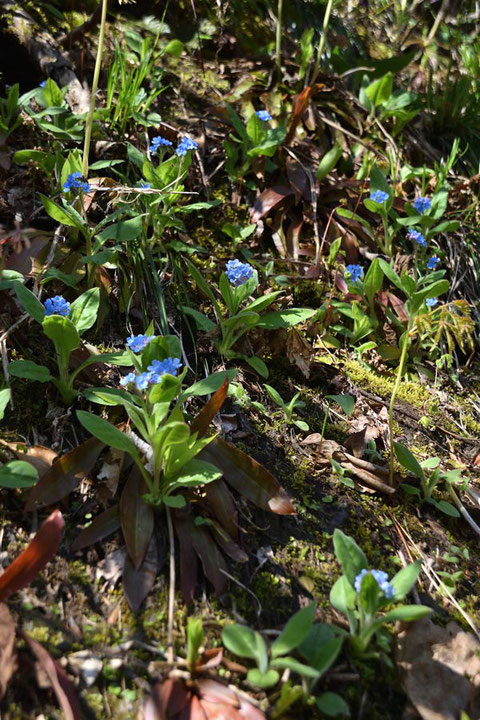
pixel 171 589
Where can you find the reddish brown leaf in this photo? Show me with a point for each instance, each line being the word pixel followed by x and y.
pixel 211 658
pixel 193 711
pixel 293 237
pixel 34 558
pixel 268 200
pixel 219 502
pixel 210 557
pixel 248 477
pixel 216 692
pixel 65 474
pixel 40 457
pixel 166 700
pixel 249 711
pixel 188 560
pixel 105 524
pixel 228 546
pixel 137 583
pixel 202 422
pixel 220 711
pixel 136 517
pixel 301 104
pixel 7 648
pixel 62 687
pixel 298 179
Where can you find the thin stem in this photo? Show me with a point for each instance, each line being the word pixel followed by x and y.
pixel 398 379
pixel 96 75
pixel 171 589
pixel 278 39
pixel 321 43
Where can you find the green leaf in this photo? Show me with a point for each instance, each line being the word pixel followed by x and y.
pixel 29 302
pixel 373 280
pixel 321 646
pixel 408 461
pixel 174 501
pixel 243 641
pixel 406 613
pixel 61 215
pixel 295 666
pixel 195 473
pixel 328 162
pixel 390 273
pixel 263 680
pixel 202 322
pixel 84 310
pixel 432 291
pixel 346 402
pixel 351 557
pixel 332 704
pixel 109 396
pixel 405 579
pixel 123 231
pixel 18 474
pixel 380 90
pixel 29 370
pixel 285 318
pixel 294 632
pixel 4 400
pixel 174 47
pixel 274 395
pixel 268 146
pixel 445 507
pixel 343 595
pixel 63 333
pixel 195 637
pixel 209 384
pixel 107 433
pixel 257 364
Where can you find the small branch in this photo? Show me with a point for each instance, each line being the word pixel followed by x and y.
pixel 171 589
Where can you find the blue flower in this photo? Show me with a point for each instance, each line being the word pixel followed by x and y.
pixel 145 185
pixel 238 273
pixel 422 204
pixel 263 115
pixel 382 581
pixel 75 181
pixel 417 237
pixel 379 196
pixel 186 145
pixel 431 302
pixel 137 343
pixel 127 379
pixel 432 262
pixel 57 306
pixel 162 367
pixel 355 271
pixel 43 83
pixel 157 142
pixel 143 380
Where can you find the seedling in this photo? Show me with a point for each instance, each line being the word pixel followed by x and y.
pixel 288 410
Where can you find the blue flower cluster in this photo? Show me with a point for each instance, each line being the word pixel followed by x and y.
pixel 137 343
pixel 432 262
pixel 431 302
pixel 422 204
pixel 263 115
pixel 145 185
pixel 355 271
pixel 382 581
pixel 157 142
pixel 57 306
pixel 417 237
pixel 379 196
pixel 238 273
pixel 186 145
pixel 156 370
pixel 75 181
pixel 43 83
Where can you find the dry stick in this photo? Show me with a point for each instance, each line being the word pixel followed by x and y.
pixel 171 589
pixel 350 134
pixel 96 75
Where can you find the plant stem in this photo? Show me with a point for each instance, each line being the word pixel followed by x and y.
pixel 321 43
pixel 171 589
pixel 96 75
pixel 398 379
pixel 278 40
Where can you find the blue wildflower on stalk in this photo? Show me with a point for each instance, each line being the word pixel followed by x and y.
pixel 355 272
pixel 379 196
pixel 186 145
pixel 142 381
pixel 162 367
pixel 57 306
pixel 417 237
pixel 238 273
pixel 422 204
pixel 431 302
pixel 127 379
pixel 145 185
pixel 382 581
pixel 263 115
pixel 75 181
pixel 137 343
pixel 432 262
pixel 43 83
pixel 157 142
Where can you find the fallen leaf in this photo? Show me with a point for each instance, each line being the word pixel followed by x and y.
pixel 7 648
pixel 268 200
pixel 137 582
pixel 299 351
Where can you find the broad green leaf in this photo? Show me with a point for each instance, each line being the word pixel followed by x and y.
pixel 432 291
pixel 294 632
pixel 373 280
pixel 84 310
pixel 63 333
pixel 107 433
pixel 321 646
pixel 123 231
pixel 351 557
pixel 18 474
pixel 4 400
pixel 405 579
pixel 29 370
pixel 263 680
pixel 202 322
pixel 195 473
pixel 346 402
pixel 408 460
pixel 274 395
pixel 60 214
pixel 285 318
pixel 343 596
pixel 174 47
pixel 328 162
pixel 390 273
pixel 258 365
pixel 380 90
pixel 295 666
pixel 332 704
pixel 29 302
pixel 109 396
pixel 209 384
pixel 407 613
pixel 243 641
pixel 445 507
